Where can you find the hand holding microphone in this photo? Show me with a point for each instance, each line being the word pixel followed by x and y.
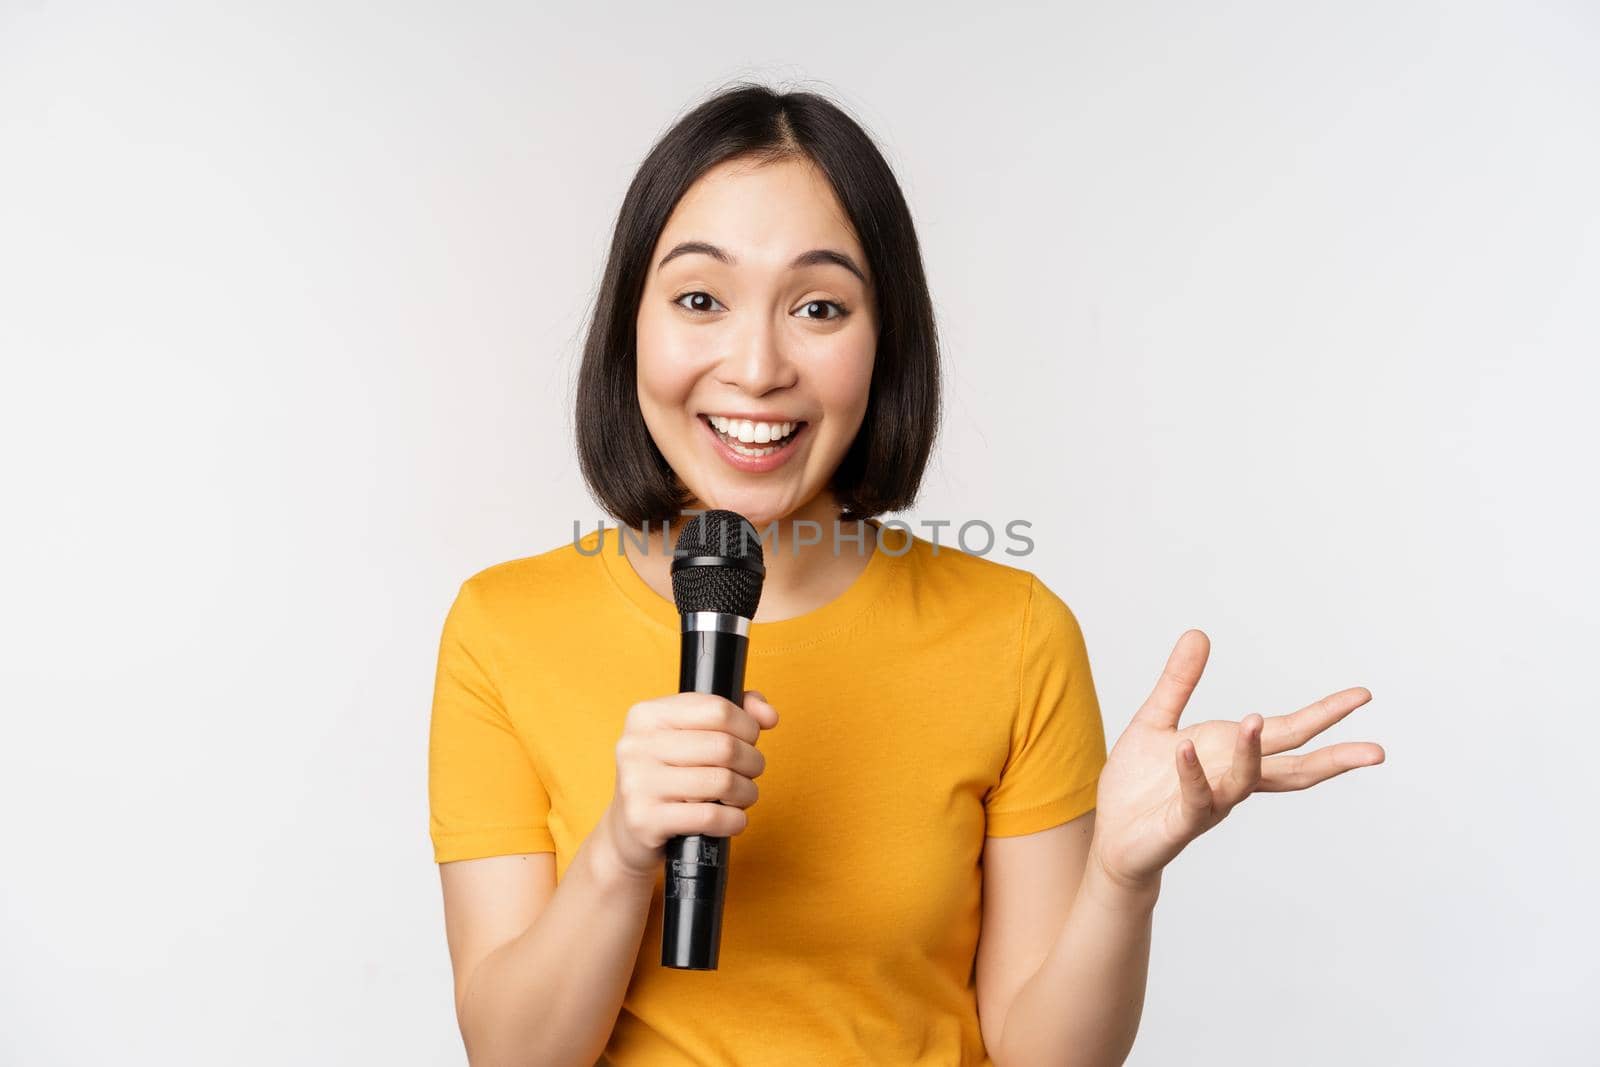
pixel 686 764
pixel 717 571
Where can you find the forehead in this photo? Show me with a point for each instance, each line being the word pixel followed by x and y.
pixel 762 211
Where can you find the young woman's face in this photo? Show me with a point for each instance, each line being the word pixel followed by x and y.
pixel 752 323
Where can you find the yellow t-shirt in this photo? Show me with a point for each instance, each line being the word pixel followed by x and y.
pixel 943 696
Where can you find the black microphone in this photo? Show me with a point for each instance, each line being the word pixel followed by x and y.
pixel 716 581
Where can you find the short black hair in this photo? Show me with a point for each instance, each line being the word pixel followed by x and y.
pixel 883 468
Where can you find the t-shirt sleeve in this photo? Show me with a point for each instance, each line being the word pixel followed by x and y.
pixel 1058 742
pixel 484 796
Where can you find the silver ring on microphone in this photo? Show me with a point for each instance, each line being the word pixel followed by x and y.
pixel 715 620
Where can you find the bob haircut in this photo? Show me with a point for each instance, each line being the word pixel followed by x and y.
pixel 883 467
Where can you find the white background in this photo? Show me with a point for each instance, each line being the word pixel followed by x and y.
pixel 1275 320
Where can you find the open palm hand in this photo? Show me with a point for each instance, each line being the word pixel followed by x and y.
pixel 1162 786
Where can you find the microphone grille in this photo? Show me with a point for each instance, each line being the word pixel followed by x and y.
pixel 733 585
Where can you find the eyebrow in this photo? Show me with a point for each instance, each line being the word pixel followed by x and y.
pixel 805 259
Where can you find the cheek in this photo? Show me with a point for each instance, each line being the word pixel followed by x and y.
pixel 843 379
pixel 666 370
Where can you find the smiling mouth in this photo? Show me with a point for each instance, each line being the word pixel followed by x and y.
pixel 754 439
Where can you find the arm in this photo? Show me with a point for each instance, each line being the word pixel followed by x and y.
pixel 1074 996
pixel 1082 1003
pixel 540 967
pixel 1061 961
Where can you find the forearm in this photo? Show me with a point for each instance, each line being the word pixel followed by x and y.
pixel 1082 1006
pixel 552 995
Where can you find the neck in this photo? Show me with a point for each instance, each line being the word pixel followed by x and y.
pixel 800 577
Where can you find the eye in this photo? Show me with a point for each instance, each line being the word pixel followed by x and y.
pixel 838 307
pixel 698 307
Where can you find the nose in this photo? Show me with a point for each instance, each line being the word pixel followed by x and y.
pixel 756 362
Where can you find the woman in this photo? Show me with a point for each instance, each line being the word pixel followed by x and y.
pixel 946 867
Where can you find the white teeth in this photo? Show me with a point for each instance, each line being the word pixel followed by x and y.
pixel 748 432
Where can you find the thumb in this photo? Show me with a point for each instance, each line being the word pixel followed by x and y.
pixel 755 702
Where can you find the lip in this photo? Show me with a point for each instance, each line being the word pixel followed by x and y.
pixel 755 464
pixel 752 416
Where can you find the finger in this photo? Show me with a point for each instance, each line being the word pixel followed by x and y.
pixel 1281 774
pixel 710 748
pixel 1197 799
pixel 756 703
pixel 705 711
pixel 1283 732
pixel 1242 776
pixel 700 785
pixel 1166 701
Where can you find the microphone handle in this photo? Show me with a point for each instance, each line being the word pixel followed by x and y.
pixel 712 661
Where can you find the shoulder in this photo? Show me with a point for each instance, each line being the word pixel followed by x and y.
pixel 979 587
pixel 563 573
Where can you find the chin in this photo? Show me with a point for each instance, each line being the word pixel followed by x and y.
pixel 759 508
